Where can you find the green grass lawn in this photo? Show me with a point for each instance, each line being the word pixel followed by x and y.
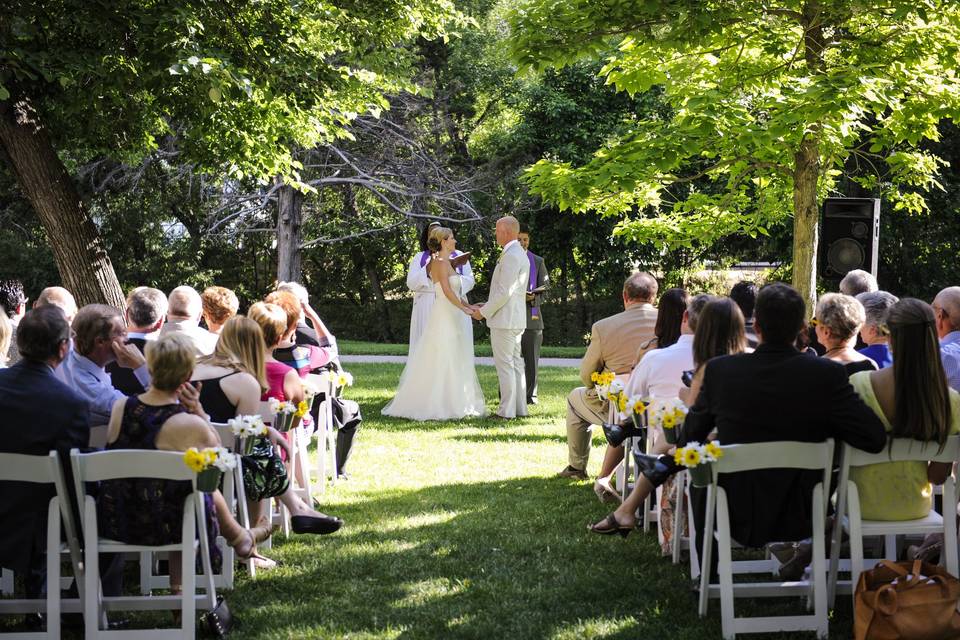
pixel 461 530
pixel 360 348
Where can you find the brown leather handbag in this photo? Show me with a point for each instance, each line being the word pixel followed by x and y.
pixel 906 600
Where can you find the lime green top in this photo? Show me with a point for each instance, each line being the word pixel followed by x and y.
pixel 894 490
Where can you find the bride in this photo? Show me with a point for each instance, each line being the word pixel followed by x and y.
pixel 440 381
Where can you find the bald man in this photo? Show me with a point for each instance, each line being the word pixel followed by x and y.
pixel 946 311
pixel 58 297
pixel 506 314
pixel 184 309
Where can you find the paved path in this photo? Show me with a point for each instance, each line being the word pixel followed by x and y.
pixel 544 362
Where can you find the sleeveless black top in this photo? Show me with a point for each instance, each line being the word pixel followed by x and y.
pixel 214 401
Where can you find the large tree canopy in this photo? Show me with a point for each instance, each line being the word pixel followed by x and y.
pixel 769 103
pixel 238 86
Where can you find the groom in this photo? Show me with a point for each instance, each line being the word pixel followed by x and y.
pixel 506 314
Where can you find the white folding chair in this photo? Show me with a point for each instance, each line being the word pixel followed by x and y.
pixel 849 514
pixel 279 515
pixel 125 464
pixel 44 470
pixel 748 457
pixel 326 434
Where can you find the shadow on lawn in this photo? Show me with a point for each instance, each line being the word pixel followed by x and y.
pixel 509 558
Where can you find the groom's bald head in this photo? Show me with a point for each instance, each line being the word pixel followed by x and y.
pixel 508 228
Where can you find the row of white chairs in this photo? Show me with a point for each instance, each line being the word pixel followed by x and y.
pixel 822 585
pixel 84 558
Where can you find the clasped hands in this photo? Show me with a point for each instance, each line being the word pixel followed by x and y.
pixel 473 310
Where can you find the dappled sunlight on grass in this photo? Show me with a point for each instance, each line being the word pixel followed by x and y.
pixel 462 530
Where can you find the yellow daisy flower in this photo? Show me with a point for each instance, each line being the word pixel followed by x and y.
pixel 691 457
pixel 714 450
pixel 194 459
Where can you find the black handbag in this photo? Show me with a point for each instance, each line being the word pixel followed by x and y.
pixel 264 474
pixel 218 621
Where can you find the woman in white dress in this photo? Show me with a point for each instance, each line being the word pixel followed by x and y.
pixel 440 381
pixel 423 291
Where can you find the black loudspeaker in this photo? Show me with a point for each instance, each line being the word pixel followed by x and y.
pixel 849 236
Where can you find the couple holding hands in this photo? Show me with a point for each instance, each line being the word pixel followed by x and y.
pixel 440 381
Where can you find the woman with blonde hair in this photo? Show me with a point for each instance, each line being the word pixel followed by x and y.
pixel 166 417
pixel 439 381
pixel 233 378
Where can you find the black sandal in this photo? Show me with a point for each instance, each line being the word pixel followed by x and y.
pixel 609 526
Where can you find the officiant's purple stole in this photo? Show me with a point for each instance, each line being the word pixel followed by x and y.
pixel 532 284
pixel 425 257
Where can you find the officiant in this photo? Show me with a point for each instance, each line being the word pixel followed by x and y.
pixel 423 290
pixel 533 335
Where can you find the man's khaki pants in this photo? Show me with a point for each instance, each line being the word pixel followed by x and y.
pixel 584 409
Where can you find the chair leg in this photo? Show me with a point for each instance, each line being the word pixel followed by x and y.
pixel 92 602
pixel 818 567
pixel 678 494
pixel 53 570
pixel 725 567
pixel 188 560
pixel 707 547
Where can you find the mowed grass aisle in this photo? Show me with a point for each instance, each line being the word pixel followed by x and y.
pixel 461 530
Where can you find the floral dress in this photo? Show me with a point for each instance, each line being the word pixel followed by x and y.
pixel 148 511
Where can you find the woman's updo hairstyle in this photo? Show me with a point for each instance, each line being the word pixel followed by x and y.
pixel 436 238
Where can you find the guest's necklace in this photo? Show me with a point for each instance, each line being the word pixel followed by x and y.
pixel 843 348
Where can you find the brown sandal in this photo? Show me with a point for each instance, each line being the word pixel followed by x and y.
pixel 609 526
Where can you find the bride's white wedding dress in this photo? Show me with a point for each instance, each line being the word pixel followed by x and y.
pixel 440 380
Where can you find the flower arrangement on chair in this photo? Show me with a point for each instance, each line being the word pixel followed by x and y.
pixel 209 464
pixel 247 429
pixel 286 414
pixel 667 415
pixel 698 459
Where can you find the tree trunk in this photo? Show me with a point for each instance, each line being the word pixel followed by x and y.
pixel 289 234
pixel 806 171
pixel 380 299
pixel 806 219
pixel 77 247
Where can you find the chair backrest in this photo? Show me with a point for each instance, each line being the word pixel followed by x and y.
pixel 783 454
pixel 46 470
pixel 227 437
pixel 24 468
pixel 98 436
pixel 127 463
pixel 905 450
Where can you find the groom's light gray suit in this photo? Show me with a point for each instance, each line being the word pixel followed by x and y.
pixel 506 314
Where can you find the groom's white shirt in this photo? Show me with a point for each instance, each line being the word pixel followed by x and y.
pixel 506 306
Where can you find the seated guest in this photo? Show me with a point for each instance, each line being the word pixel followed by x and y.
pixel 58 297
pixel 308 358
pixel 719 331
pixel 912 400
pixel 283 382
pixel 838 322
pixel 776 393
pixel 40 414
pixel 100 339
pixel 670 312
pixel 167 417
pixel 876 305
pixel 146 311
pixel 6 334
pixel 318 335
pixel 946 308
pixel 14 304
pixel 673 304
pixel 858 281
pixel 232 380
pixel 184 309
pixel 219 305
pixel 744 293
pixel 614 343
pixel 305 358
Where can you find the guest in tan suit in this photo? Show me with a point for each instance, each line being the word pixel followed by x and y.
pixel 614 343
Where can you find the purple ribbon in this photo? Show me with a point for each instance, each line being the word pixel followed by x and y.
pixel 425 257
pixel 532 284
